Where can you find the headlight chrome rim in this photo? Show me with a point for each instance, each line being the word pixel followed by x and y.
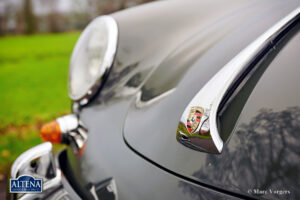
pixel 107 62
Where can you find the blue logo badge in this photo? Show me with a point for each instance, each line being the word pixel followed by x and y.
pixel 26 184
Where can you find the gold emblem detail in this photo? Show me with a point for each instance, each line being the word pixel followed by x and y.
pixel 194 118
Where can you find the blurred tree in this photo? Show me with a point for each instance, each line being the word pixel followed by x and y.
pixel 30 21
pixel 32 16
pixel 102 7
pixel 2 25
pixel 53 17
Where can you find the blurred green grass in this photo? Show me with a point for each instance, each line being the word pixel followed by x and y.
pixel 33 88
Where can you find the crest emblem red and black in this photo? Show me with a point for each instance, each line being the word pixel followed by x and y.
pixel 194 119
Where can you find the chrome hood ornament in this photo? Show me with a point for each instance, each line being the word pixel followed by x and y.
pixel 198 128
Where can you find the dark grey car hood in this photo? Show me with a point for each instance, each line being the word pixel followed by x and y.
pixel 167 51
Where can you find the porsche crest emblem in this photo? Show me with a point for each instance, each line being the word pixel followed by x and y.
pixel 194 118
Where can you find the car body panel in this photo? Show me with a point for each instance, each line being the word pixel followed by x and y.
pixel 135 178
pixel 156 53
pixel 156 141
pixel 151 40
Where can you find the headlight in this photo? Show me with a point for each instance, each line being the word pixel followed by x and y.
pixel 92 58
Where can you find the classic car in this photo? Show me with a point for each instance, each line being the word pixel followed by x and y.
pixel 178 99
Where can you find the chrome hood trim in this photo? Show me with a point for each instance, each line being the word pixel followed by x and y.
pixel 214 92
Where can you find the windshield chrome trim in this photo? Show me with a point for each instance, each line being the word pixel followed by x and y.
pixel 211 95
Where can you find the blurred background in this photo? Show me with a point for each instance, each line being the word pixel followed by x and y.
pixel 36 41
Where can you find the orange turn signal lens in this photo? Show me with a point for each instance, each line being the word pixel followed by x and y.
pixel 51 132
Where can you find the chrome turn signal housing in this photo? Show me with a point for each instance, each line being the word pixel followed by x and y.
pixel 68 130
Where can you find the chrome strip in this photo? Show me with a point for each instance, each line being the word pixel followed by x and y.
pixel 214 91
pixel 29 155
pixel 68 123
